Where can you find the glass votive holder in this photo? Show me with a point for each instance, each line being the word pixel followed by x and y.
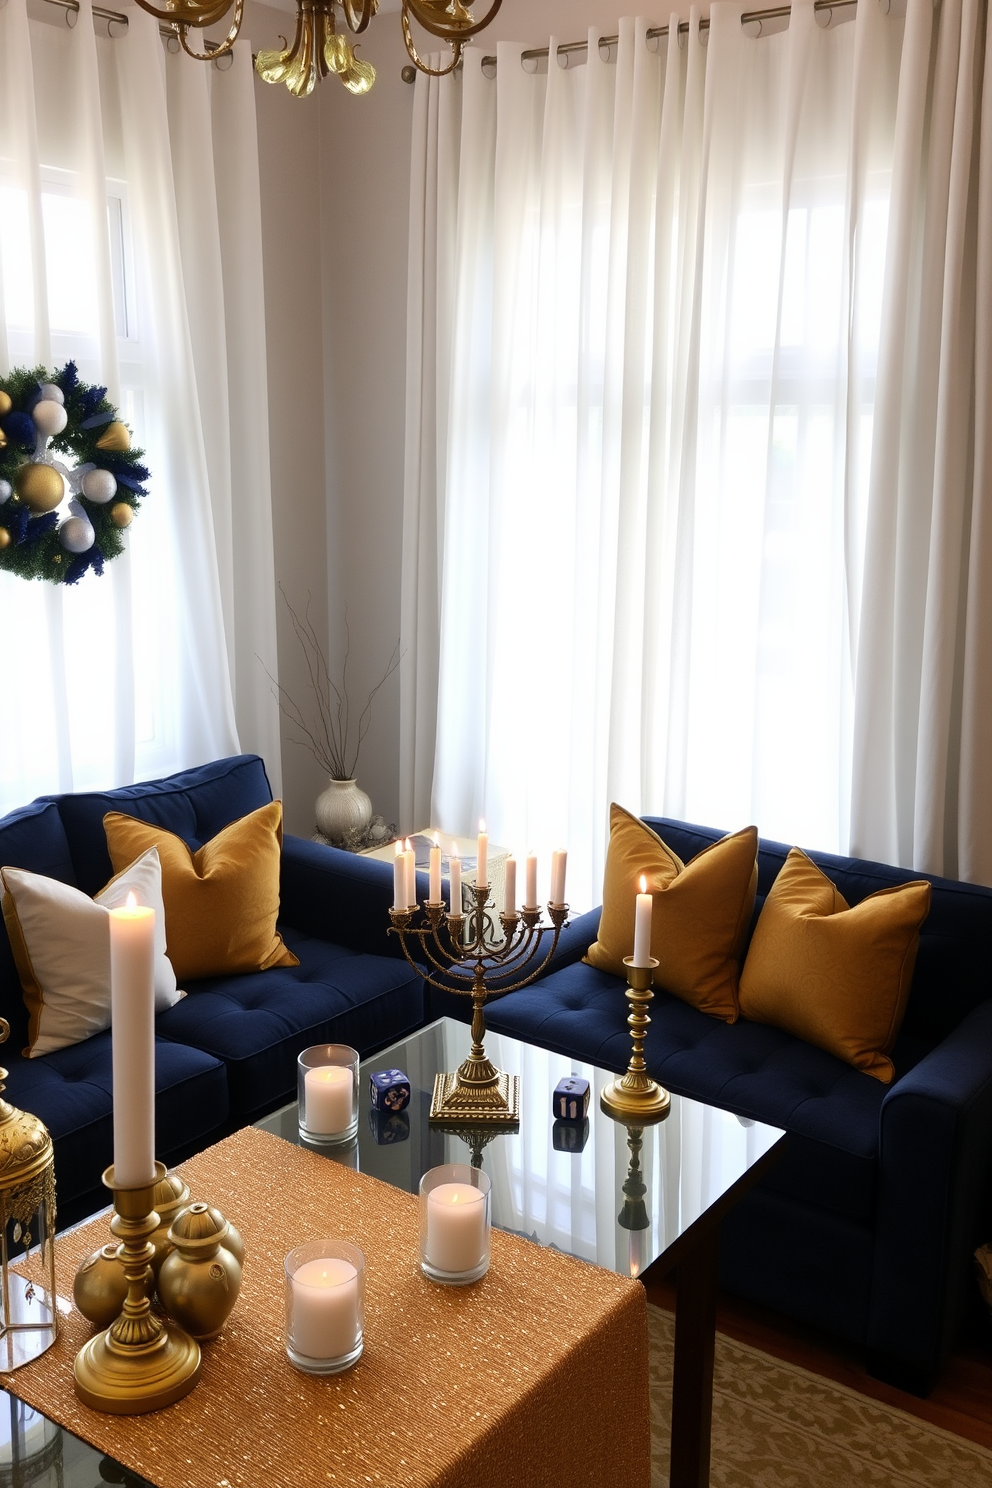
pixel 327 1094
pixel 325 1300
pixel 454 1224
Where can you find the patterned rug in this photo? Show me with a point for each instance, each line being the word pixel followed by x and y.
pixel 778 1426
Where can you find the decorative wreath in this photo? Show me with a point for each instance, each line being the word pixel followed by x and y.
pixel 57 519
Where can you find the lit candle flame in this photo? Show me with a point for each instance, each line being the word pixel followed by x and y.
pixel 399 847
pixel 482 825
pixel 437 840
pixel 644 885
pixel 130 902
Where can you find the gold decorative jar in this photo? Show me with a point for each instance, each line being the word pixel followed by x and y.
pixel 171 1195
pixel 100 1286
pixel 28 1313
pixel 200 1278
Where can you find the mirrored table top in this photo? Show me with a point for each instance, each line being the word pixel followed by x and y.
pixel 618 1196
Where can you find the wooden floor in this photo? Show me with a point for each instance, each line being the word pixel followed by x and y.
pixel 961 1401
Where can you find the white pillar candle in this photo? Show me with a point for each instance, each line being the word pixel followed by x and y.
pixel 132 1013
pixel 329 1092
pixel 482 858
pixel 325 1308
pixel 558 861
pixel 643 909
pixel 410 863
pixel 399 878
pixel 530 887
pixel 455 879
pixel 510 891
pixel 456 1227
pixel 435 872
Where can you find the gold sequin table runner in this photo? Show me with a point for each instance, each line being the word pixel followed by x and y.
pixel 534 1377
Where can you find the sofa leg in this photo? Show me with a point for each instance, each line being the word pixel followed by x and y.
pixel 909 1377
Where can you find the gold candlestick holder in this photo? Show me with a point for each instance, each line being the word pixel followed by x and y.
pixel 635 1098
pixel 477 1093
pixel 139 1363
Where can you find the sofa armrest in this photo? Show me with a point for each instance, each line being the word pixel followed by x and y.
pixel 339 896
pixel 935 1159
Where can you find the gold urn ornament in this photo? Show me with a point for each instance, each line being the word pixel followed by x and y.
pixel 200 1279
pixel 100 1286
pixel 29 1321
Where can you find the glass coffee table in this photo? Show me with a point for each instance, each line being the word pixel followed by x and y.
pixel 642 1202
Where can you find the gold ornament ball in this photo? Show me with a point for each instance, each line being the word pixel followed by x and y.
pixel 115 437
pixel 39 486
pixel 4 538
pixel 5 404
pixel 121 514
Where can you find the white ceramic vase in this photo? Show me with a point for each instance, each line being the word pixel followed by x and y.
pixel 342 811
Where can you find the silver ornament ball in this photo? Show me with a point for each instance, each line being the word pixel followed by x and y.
pixel 6 491
pixel 76 535
pixel 99 486
pixel 52 392
pixel 49 417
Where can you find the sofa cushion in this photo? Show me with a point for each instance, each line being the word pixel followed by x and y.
pixel 760 1073
pixel 835 976
pixel 258 1023
pixel 71 1091
pixel 701 911
pixel 222 901
pixel 195 804
pixel 60 939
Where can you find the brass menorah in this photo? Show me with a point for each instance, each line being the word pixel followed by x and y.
pixel 477 1092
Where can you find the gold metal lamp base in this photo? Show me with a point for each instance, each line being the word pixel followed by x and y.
pixel 138 1364
pixel 635 1098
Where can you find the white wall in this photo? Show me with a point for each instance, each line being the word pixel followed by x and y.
pixel 289 164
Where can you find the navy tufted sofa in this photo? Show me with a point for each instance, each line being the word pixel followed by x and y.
pixel 226 1053
pixel 867 1225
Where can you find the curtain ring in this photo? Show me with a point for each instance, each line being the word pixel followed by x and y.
pixel 223 63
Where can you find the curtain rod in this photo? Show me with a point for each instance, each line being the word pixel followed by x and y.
pixel 116 17
pixel 567 48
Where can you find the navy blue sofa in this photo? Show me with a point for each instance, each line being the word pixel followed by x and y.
pixel 226 1053
pixel 866 1227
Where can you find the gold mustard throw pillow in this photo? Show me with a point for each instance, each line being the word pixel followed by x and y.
pixel 835 976
pixel 222 902
pixel 700 917
pixel 60 939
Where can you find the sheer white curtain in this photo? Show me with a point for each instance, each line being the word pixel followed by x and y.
pixel 645 506
pixel 130 241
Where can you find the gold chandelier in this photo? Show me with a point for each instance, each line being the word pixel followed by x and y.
pixel 319 47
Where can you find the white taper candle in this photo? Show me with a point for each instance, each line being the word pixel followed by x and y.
pixel 643 909
pixel 132 1012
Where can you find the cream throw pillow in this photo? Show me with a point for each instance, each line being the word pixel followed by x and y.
pixel 61 944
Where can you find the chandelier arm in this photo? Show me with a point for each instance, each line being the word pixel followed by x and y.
pixel 225 46
pixel 419 62
pixel 358 24
pixel 425 14
pixel 189 13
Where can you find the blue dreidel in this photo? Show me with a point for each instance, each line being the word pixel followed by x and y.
pixel 389 1090
pixel 570 1101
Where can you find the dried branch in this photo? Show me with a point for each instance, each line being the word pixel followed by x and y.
pixel 327 734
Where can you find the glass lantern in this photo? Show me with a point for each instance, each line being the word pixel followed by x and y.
pixel 28 1311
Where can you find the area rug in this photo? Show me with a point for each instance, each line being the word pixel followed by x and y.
pixel 778 1426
